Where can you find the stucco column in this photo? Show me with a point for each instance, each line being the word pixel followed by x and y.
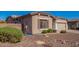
pixel 50 23
pixel 56 26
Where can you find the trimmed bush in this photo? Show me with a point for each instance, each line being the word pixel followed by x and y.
pixel 8 34
pixel 63 31
pixel 49 30
pixel 44 31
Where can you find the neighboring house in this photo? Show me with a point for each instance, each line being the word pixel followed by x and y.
pixel 35 22
pixel 13 19
pixel 73 24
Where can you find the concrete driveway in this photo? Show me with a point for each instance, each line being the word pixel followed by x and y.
pixel 73 31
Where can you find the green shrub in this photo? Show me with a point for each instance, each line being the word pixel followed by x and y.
pixel 12 35
pixel 44 31
pixel 49 31
pixel 63 31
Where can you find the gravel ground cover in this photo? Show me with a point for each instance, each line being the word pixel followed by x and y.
pixel 48 40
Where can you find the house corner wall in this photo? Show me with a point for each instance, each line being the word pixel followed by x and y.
pixel 35 23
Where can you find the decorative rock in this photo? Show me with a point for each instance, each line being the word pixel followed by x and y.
pixel 46 35
pixel 40 42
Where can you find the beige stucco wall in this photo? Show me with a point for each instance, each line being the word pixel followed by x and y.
pixel 59 20
pixel 35 23
pixel 66 26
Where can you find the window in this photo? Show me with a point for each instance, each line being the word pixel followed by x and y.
pixel 43 23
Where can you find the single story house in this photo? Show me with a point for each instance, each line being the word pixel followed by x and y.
pixel 73 24
pixel 36 22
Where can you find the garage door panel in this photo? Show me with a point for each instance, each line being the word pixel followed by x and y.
pixel 61 26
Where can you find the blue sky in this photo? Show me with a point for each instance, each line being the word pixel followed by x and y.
pixel 65 14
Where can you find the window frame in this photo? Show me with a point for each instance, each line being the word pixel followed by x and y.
pixel 43 23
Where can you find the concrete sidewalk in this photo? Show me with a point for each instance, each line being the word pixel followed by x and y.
pixel 73 31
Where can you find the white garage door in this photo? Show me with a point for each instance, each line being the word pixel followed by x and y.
pixel 61 26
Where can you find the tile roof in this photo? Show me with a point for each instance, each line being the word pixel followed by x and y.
pixel 73 20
